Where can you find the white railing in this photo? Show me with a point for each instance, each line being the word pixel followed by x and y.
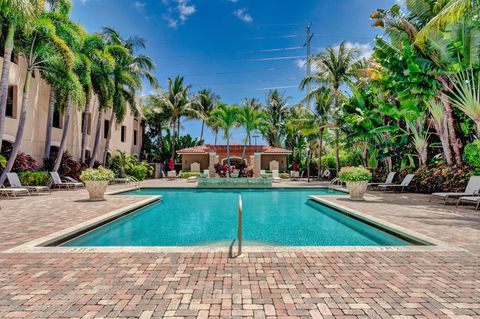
pixel 239 230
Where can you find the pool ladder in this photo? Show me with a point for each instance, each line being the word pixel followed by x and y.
pixel 239 229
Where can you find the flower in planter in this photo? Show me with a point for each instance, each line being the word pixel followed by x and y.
pixel 96 174
pixel 354 174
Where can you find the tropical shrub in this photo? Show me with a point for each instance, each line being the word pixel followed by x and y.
pixel 284 175
pixel 34 178
pixel 100 174
pixel 137 171
pixel 68 166
pixel 24 163
pixel 221 170
pixel 471 155
pixel 355 174
pixel 441 178
pixel 187 174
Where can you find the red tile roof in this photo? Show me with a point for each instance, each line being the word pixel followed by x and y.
pixel 204 149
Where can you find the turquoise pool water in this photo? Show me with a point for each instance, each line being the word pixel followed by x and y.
pixel 190 217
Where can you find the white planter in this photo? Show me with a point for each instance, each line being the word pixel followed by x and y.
pixel 96 189
pixel 357 189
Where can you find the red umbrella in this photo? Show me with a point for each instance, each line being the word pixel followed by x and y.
pixel 171 165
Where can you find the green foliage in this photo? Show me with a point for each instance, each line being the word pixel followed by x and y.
pixel 354 174
pixel 96 174
pixel 187 174
pixel 441 178
pixel 3 161
pixel 471 155
pixel 138 171
pixel 34 178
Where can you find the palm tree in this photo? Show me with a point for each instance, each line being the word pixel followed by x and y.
pixel 175 102
pixel 251 119
pixel 439 120
pixel 335 66
pixel 157 120
pixel 420 136
pixel 205 102
pixel 226 117
pixel 213 125
pixel 128 72
pixel 276 110
pixel 16 15
pixel 466 95
pixel 41 48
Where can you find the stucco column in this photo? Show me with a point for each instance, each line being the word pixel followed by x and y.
pixel 251 161
pixel 257 165
pixel 211 164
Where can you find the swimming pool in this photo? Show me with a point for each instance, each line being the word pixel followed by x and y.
pixel 196 217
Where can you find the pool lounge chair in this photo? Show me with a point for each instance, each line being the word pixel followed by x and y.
pixel 7 191
pixel 389 180
pixel 73 180
pixel 472 189
pixel 470 199
pixel 16 184
pixel 57 182
pixel 275 176
pixel 404 184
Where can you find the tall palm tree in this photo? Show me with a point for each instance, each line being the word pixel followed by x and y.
pixel 41 47
pixel 157 119
pixel 175 101
pixel 205 102
pixel 213 125
pixel 251 119
pixel 276 109
pixel 226 117
pixel 129 71
pixel 72 90
pixel 335 67
pixel 16 15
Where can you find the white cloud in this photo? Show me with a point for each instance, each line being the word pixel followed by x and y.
pixel 243 15
pixel 364 49
pixel 139 5
pixel 178 11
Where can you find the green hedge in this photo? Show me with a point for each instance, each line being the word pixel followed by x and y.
pixel 34 178
pixel 138 171
pixel 187 174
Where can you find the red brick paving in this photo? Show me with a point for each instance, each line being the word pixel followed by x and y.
pixel 210 285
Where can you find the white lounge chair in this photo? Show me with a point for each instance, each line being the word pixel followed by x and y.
pixel 473 187
pixel 404 184
pixel 13 191
pixel 57 182
pixel 294 175
pixel 470 199
pixel 275 176
pixel 389 180
pixel 73 180
pixel 192 179
pixel 172 175
pixel 15 183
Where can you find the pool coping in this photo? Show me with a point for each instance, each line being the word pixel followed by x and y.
pixel 40 245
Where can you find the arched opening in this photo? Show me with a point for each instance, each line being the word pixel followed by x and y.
pixel 234 161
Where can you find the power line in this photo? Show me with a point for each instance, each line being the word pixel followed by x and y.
pixel 244 60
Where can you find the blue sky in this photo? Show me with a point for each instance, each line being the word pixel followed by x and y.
pixel 237 48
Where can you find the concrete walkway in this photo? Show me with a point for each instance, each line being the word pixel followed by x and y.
pixel 436 284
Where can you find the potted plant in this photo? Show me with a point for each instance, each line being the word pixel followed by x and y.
pixel 357 179
pixel 96 182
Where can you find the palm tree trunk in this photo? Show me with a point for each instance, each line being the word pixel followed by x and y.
pixel 48 134
pixel 98 132
pixel 7 61
pixel 20 129
pixel 63 143
pixel 109 137
pixel 216 135
pixel 174 140
pixel 201 132
pixel 309 157
pixel 244 147
pixel 320 151
pixel 228 153
pixel 85 125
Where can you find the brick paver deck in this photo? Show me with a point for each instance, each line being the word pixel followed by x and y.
pixel 260 285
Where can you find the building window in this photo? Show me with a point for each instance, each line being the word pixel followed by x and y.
pixel 57 119
pixel 106 127
pixel 11 102
pixel 123 133
pixel 89 126
pixel 135 133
